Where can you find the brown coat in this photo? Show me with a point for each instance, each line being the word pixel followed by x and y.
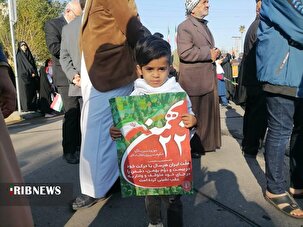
pixel 10 173
pixel 194 42
pixel 109 32
pixel 198 78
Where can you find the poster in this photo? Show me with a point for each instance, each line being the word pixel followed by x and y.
pixel 154 152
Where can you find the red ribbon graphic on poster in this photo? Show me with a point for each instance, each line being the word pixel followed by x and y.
pixel 159 157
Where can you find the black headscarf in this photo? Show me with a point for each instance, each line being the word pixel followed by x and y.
pixel 25 61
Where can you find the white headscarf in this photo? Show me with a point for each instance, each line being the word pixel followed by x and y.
pixel 190 5
pixel 142 88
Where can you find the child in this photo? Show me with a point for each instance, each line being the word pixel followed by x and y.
pixel 221 83
pixel 153 56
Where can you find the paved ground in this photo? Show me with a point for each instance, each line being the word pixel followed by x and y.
pixel 228 187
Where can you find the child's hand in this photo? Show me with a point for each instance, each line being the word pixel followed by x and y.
pixel 189 120
pixel 115 133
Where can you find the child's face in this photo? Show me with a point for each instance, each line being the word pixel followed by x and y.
pixel 156 72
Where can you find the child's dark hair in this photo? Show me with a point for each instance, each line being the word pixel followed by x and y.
pixel 150 48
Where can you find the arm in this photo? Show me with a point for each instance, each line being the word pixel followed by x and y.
pixel 7 91
pixel 189 120
pixel 53 38
pixel 188 51
pixel 225 60
pixel 115 133
pixel 66 60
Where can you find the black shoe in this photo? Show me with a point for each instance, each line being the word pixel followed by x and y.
pixel 84 201
pixel 196 147
pixel 71 158
pixel 227 106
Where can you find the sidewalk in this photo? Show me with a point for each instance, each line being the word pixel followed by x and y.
pixel 228 191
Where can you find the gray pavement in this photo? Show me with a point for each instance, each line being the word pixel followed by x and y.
pixel 228 188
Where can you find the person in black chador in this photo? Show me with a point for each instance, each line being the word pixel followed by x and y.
pixel 226 65
pixel 28 77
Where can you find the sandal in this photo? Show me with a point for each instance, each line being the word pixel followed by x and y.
pixel 289 208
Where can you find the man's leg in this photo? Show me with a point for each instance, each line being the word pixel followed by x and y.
pixel 280 124
pixel 71 132
pixel 153 209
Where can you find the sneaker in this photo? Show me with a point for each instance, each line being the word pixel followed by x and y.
pixel 156 225
pixel 49 115
pixel 84 201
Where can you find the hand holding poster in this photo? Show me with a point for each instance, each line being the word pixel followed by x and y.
pixel 154 152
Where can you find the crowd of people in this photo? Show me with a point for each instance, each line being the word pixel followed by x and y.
pixel 103 67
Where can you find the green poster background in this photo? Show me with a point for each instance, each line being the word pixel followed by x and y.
pixel 150 112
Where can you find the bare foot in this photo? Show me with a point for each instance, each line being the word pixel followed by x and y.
pixel 294 191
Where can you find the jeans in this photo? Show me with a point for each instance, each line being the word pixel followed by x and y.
pixel 174 210
pixel 224 100
pixel 284 121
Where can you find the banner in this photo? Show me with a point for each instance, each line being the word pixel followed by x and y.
pixel 154 151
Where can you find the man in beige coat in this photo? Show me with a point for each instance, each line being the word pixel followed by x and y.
pixel 110 29
pixel 197 54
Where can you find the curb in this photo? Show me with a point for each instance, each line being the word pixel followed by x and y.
pixel 16 117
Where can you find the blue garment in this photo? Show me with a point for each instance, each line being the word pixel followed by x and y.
pixel 222 92
pixel 221 88
pixel 283 113
pixel 280 67
pixel 280 44
pixel 98 157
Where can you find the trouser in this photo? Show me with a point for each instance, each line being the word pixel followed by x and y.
pixel 284 121
pixel 71 131
pixel 174 209
pixel 254 120
pixel 224 100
